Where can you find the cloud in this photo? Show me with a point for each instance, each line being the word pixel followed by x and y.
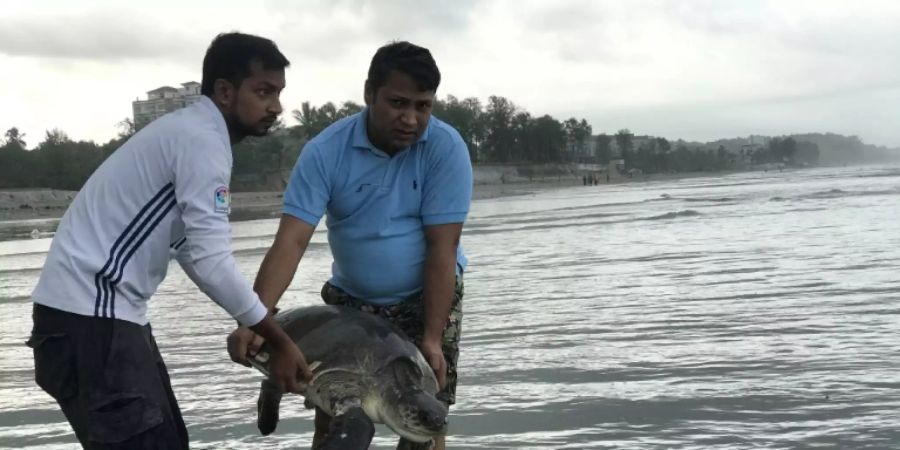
pixel 579 31
pixel 824 28
pixel 331 30
pixel 100 36
pixel 734 64
pixel 412 19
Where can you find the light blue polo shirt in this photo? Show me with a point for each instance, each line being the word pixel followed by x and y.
pixel 376 206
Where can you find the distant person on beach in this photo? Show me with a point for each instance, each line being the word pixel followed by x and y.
pixel 162 194
pixel 394 184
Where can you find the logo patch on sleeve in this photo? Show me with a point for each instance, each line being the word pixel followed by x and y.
pixel 222 200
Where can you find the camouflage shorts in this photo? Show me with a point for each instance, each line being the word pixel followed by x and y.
pixel 409 316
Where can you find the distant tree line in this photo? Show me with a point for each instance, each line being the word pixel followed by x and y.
pixel 57 162
pixel 497 131
pixel 658 155
pixel 788 151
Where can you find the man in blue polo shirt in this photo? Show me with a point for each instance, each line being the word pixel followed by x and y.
pixel 394 184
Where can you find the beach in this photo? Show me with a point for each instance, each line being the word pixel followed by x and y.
pixel 30 204
pixel 42 203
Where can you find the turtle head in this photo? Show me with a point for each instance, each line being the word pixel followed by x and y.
pixel 410 407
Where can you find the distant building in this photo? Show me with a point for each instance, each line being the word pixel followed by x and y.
pixel 164 100
pixel 636 143
pixel 581 152
pixel 641 141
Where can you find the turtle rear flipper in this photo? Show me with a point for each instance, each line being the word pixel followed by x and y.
pixel 350 430
pixel 267 407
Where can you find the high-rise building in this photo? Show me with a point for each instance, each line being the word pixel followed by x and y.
pixel 164 100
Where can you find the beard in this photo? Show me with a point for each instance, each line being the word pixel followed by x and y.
pixel 240 129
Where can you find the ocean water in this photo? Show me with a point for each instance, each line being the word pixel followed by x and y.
pixel 754 310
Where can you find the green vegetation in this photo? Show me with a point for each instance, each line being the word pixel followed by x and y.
pixel 495 132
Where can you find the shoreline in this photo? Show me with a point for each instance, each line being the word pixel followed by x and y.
pixel 47 204
pixel 268 205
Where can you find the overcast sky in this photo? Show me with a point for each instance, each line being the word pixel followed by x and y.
pixel 697 70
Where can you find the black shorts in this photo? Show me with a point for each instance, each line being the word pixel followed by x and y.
pixel 109 379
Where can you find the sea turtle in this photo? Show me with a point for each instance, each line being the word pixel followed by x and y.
pixel 365 370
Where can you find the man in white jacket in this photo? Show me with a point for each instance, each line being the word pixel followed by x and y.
pixel 163 193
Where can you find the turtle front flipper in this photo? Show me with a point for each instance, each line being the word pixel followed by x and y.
pixel 267 407
pixel 350 430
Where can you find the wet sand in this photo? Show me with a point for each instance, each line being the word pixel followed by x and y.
pixel 30 204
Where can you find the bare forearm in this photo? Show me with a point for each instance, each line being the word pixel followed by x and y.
pixel 272 332
pixel 278 267
pixel 276 272
pixel 440 281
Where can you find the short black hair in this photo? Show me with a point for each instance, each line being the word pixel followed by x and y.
pixel 408 58
pixel 230 56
